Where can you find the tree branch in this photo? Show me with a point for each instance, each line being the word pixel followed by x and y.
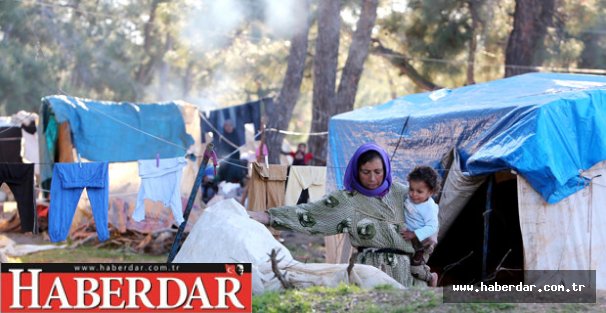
pixel 401 62
pixel 274 267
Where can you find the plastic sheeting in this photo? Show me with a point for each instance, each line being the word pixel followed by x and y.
pixel 457 190
pixel 225 233
pixel 545 126
pixel 570 234
pixel 121 132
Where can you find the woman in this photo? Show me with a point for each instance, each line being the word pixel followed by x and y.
pixel 370 210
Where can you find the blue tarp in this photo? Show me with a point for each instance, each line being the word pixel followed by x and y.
pixel 120 132
pixel 547 127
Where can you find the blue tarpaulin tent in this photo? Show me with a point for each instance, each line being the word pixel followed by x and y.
pixel 112 131
pixel 548 128
pixel 122 131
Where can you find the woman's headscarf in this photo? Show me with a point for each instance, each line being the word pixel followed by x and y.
pixel 351 180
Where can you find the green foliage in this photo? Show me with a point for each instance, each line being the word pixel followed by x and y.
pixel 384 287
pixel 275 302
pixel 432 30
pixel 341 290
pixel 486 307
pixel 129 50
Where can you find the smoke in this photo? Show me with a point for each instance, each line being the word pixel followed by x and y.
pixel 283 17
pixel 210 24
pixel 213 24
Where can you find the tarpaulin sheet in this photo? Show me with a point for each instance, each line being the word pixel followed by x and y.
pixel 120 132
pixel 570 234
pixel 545 126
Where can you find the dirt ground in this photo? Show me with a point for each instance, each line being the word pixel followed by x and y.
pixel 304 248
pixel 28 238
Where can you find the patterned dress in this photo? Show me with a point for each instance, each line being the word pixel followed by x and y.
pixel 371 222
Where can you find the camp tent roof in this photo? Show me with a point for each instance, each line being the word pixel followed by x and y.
pixel 121 131
pixel 547 127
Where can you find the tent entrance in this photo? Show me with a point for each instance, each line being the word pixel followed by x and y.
pixel 459 256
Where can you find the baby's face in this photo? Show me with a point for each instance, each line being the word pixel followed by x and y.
pixel 418 191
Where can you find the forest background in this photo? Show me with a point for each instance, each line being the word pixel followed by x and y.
pixel 317 58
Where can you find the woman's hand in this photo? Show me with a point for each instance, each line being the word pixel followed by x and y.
pixel 261 217
pixel 408 235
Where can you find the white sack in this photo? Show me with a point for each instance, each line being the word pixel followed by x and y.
pixel 225 234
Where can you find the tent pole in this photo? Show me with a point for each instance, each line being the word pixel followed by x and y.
pixel 190 203
pixel 486 214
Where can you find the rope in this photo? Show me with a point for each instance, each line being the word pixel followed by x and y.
pixel 287 132
pixel 400 138
pixel 216 131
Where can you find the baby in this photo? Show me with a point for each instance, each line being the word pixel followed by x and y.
pixel 421 219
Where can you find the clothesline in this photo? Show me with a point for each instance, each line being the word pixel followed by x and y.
pixel 8 128
pixel 216 131
pixel 10 138
pixel 287 132
pixel 224 160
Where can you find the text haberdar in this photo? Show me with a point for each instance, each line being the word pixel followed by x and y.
pixel 33 290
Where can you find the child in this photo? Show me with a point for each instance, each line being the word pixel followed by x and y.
pixel 301 156
pixel 421 218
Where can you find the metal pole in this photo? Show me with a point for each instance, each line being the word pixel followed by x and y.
pixel 487 211
pixel 190 203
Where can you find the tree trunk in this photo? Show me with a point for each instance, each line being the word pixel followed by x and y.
pixel 473 43
pixel 186 80
pixel 531 19
pixel 143 75
pixel 358 52
pixel 328 105
pixel 164 70
pixel 325 72
pixel 280 116
pixel 592 55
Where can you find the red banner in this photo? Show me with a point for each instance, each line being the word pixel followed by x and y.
pixel 133 287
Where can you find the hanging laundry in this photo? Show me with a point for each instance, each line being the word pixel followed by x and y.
pixel 161 183
pixel 266 188
pixel 69 179
pixel 47 136
pixel 27 120
pixel 300 178
pixel 10 144
pixel 239 115
pixel 20 180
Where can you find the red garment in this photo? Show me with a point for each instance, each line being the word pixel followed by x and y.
pixel 306 159
pixel 42 210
